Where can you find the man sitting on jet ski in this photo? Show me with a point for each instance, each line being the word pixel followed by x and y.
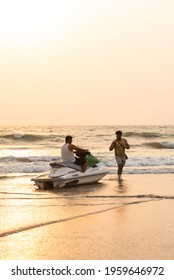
pixel 68 150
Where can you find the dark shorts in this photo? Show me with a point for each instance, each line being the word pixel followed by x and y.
pixel 80 161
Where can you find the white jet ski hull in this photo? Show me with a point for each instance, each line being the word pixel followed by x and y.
pixel 66 176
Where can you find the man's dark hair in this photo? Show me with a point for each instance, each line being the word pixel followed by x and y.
pixel 68 137
pixel 118 132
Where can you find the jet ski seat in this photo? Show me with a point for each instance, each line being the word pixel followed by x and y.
pixel 56 164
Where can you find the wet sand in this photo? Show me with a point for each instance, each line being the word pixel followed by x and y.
pixel 133 220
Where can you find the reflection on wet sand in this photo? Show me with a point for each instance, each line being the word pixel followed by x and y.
pixel 110 220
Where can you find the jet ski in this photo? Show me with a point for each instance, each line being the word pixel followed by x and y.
pixel 64 174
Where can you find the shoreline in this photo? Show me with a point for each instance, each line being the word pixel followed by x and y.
pixel 132 221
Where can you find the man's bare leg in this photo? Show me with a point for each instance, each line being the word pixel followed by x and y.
pixel 84 167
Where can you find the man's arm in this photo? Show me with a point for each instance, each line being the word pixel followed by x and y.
pixel 112 146
pixel 127 146
pixel 72 148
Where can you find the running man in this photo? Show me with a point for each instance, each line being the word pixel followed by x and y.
pixel 119 145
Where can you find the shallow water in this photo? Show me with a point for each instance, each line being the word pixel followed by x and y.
pixel 22 207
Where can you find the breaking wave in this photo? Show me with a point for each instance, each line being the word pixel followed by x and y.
pixel 143 134
pixel 160 145
pixel 137 165
pixel 20 136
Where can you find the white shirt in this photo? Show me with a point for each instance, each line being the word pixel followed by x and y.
pixel 66 154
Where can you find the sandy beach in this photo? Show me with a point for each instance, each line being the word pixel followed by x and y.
pixel 131 220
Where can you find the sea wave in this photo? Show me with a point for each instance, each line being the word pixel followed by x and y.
pixel 35 164
pixel 32 168
pixel 160 145
pixel 22 136
pixel 133 160
pixel 145 161
pixel 149 134
pixel 143 134
pixel 13 159
pixel 29 137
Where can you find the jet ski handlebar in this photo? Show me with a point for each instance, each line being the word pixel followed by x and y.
pixel 82 153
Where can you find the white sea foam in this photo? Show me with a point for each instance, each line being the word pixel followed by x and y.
pixel 145 161
pixel 30 149
pixel 33 167
pixel 18 134
pixel 133 164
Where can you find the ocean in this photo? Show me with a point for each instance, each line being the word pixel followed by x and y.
pixel 28 150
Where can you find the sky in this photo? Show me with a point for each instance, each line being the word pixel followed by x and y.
pixel 90 62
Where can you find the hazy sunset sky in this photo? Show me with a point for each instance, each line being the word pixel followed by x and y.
pixel 86 62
